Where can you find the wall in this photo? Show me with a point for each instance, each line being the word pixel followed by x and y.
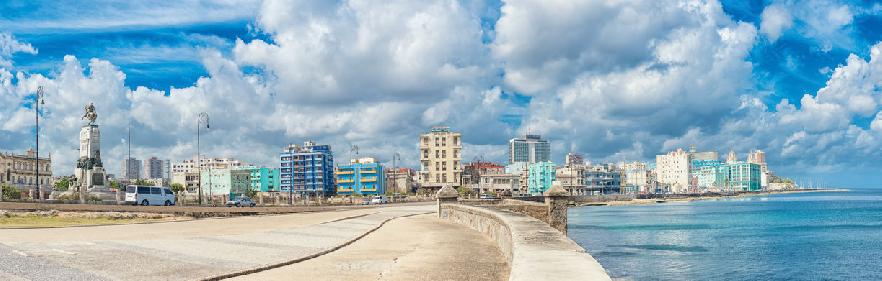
pixel 534 250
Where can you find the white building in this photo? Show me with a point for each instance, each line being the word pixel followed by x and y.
pixel 673 169
pixel 440 158
pixel 187 173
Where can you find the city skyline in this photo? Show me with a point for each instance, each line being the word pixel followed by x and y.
pixel 796 81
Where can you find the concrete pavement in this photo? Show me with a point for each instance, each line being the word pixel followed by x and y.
pixel 414 248
pixel 185 250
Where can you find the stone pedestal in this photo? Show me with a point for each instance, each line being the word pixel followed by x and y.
pixel 447 195
pixel 556 200
pixel 90 172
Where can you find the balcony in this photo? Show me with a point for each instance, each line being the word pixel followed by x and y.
pixel 345 172
pixel 369 179
pixel 345 181
pixel 368 171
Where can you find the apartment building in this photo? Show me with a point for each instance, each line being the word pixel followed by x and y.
pixel 440 159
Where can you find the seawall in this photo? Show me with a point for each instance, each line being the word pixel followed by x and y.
pixel 535 250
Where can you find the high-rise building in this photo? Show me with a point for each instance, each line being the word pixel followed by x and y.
pixel 440 158
pixel 529 149
pixel 131 169
pixel 155 168
pixel 743 176
pixel 673 169
pixel 307 169
pixel 363 176
pixel 540 176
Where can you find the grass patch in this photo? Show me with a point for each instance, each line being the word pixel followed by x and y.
pixel 56 221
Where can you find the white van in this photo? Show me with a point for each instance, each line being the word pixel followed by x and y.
pixel 149 195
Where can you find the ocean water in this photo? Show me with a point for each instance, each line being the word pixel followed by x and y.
pixel 805 236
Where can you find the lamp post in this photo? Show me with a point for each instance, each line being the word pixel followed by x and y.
pixel 37 103
pixel 395 156
pixel 201 119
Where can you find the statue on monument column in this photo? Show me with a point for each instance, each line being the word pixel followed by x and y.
pixel 90 114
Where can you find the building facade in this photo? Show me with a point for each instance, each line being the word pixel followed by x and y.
pixel 264 179
pixel 540 176
pixel 743 176
pixel 131 169
pixel 401 180
pixel 637 177
pixel 602 179
pixel 20 170
pixel 155 168
pixel 440 159
pixel 529 149
pixel 673 169
pixel 225 182
pixel 362 176
pixel 307 170
pixel 187 173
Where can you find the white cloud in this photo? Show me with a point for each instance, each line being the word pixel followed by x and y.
pixel 9 46
pixel 775 20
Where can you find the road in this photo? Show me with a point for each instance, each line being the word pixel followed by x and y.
pixel 209 248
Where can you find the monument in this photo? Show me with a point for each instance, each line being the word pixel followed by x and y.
pixel 90 171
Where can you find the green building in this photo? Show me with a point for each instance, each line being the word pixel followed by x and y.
pixel 231 182
pixel 743 176
pixel 264 179
pixel 540 175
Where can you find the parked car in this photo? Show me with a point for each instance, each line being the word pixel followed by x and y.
pixel 488 197
pixel 149 195
pixel 380 199
pixel 241 202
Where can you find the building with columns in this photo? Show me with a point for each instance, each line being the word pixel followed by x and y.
pixel 20 171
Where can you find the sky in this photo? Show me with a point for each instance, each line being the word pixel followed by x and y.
pixel 613 80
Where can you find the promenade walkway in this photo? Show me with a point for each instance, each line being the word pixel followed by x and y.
pixel 210 248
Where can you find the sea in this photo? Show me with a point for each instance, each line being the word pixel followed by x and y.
pixel 798 236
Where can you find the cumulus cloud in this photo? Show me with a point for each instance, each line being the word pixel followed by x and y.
pixel 775 20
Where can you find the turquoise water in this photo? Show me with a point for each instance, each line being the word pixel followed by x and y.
pixel 807 236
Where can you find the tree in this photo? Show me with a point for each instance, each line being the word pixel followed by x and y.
pixel 114 185
pixel 177 188
pixel 63 184
pixel 10 192
pixel 142 182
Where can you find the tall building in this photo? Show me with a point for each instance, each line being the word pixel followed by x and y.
pixel 363 176
pixel 540 176
pixel 673 169
pixel 637 177
pixel 155 168
pixel 530 149
pixel 131 169
pixel 307 169
pixel 759 157
pixel 18 170
pixel 440 158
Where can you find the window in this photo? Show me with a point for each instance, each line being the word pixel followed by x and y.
pixel 155 190
pixel 444 154
pixel 143 190
pixel 168 192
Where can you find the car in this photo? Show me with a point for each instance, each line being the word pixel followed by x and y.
pixel 149 195
pixel 381 199
pixel 488 197
pixel 241 202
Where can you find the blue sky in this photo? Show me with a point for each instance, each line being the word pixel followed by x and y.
pixel 615 81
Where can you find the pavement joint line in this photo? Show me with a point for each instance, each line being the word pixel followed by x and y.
pixel 349 217
pixel 309 257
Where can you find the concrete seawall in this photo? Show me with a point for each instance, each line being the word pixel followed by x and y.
pixel 534 250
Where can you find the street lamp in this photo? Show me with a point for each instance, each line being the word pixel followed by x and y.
pixel 395 171
pixel 201 119
pixel 37 103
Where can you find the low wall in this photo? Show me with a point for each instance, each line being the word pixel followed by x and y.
pixel 534 250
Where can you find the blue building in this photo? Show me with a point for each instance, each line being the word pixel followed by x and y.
pixel 307 169
pixel 540 176
pixel 361 177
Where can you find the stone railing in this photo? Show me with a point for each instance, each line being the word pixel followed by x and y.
pixel 535 250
